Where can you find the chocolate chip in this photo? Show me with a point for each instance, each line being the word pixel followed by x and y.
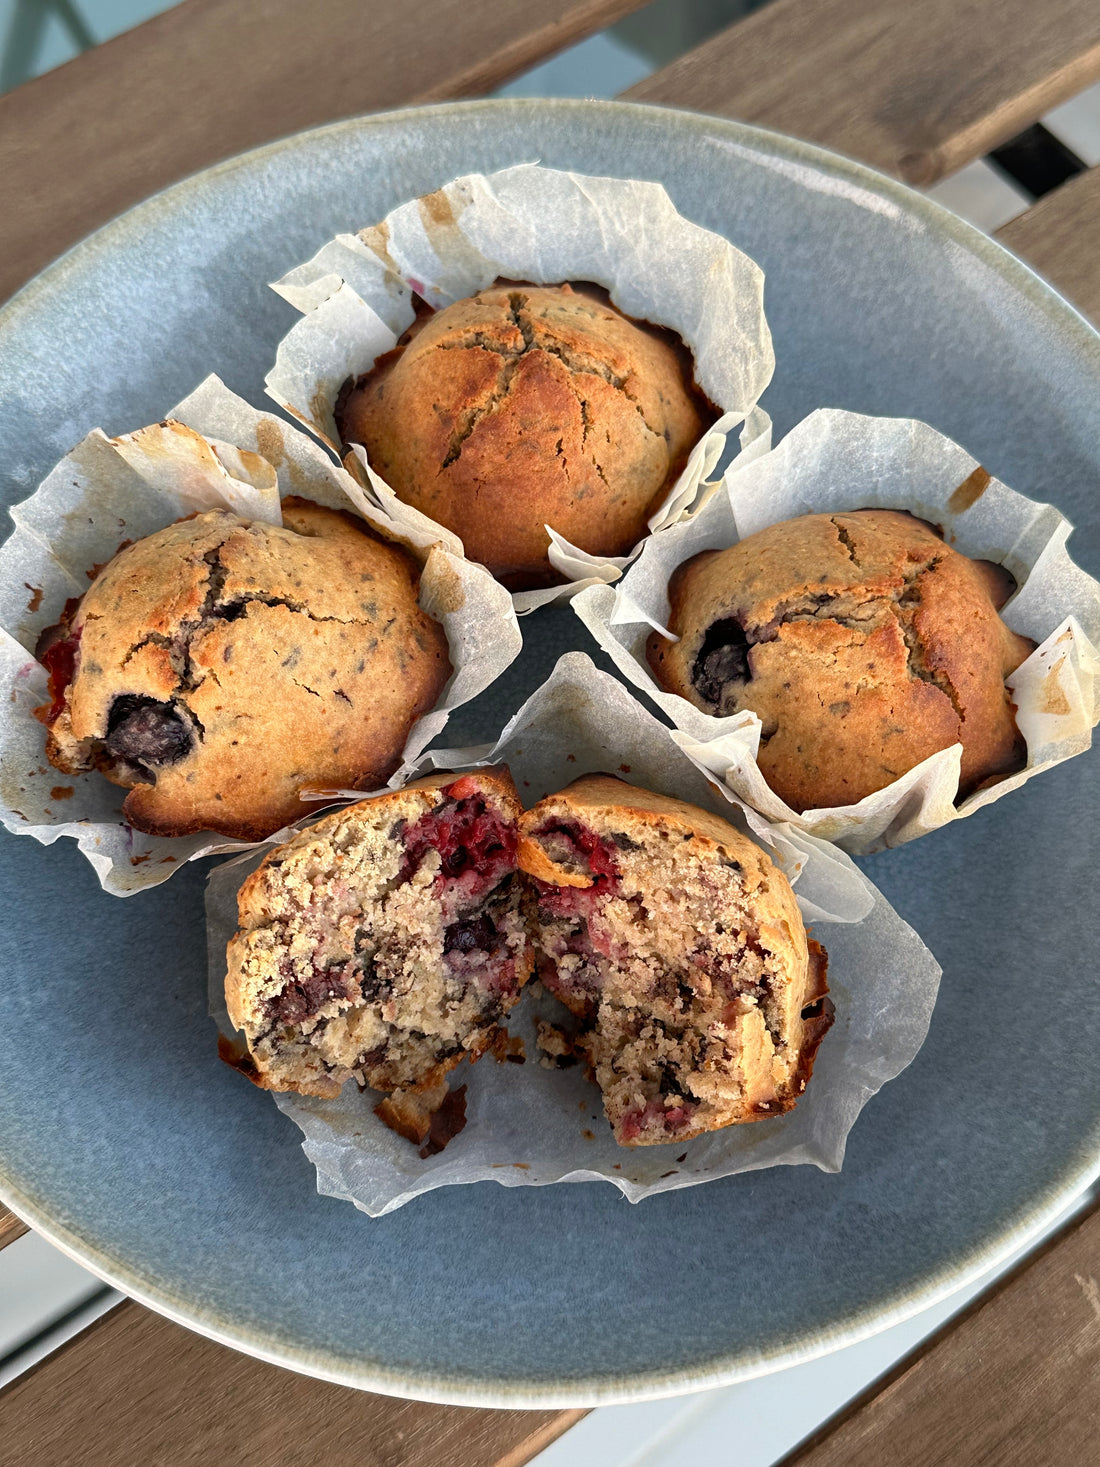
pixel 302 998
pixel 143 731
pixel 723 658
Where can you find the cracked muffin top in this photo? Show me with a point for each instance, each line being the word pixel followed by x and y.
pixel 526 406
pixel 863 643
pixel 219 666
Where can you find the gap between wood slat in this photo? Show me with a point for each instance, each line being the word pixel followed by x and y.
pixel 135 1389
pixel 917 90
pixel 1011 1381
pixel 1060 238
pixel 211 78
pixel 11 1227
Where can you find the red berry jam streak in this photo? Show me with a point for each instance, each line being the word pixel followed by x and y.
pixel 477 847
pixel 59 660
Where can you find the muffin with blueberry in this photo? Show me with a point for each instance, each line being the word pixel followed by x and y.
pixel 220 666
pixel 862 642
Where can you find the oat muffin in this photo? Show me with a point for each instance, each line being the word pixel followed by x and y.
pixel 526 406
pixel 219 666
pixel 385 943
pixel 862 642
pixel 680 947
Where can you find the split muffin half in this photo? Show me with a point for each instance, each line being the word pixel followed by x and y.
pixel 681 949
pixel 383 944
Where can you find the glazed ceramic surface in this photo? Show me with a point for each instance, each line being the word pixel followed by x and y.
pixel 125 1141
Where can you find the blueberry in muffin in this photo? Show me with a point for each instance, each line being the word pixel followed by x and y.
pixel 863 643
pixel 219 666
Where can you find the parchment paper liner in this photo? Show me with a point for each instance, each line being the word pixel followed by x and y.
pixel 110 490
pixel 544 226
pixel 528 1126
pixel 835 461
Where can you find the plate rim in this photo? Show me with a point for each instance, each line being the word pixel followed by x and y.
pixel 1047 1206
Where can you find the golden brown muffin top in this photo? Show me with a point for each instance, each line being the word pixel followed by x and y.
pixel 862 641
pixel 524 406
pixel 222 665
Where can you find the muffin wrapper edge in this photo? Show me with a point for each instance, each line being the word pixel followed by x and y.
pixel 213 451
pixel 835 461
pixel 527 1126
pixel 356 299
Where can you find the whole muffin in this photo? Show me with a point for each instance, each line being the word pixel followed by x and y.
pixel 862 642
pixel 681 948
pixel 526 406
pixel 219 666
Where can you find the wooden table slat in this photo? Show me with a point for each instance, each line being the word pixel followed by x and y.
pixel 916 90
pixel 135 1389
pixel 211 78
pixel 1059 238
pixel 1012 1381
pixel 11 1227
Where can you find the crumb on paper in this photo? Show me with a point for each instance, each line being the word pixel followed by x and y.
pixel 447 1121
pixel 559 1050
pixel 508 1048
pixel 429 1117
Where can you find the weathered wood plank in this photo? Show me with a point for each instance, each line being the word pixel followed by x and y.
pixel 1012 1382
pixel 135 1389
pixel 210 78
pixel 916 90
pixel 11 1227
pixel 1060 237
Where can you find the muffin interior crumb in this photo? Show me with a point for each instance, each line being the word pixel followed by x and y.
pixel 664 958
pixel 388 949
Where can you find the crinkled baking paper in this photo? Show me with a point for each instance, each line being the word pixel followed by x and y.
pixel 547 227
pixel 528 1126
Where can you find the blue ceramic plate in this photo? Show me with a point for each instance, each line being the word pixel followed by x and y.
pixel 126 1142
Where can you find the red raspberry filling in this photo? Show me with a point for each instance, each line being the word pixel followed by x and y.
pixel 476 847
pixel 655 1117
pixel 59 660
pixel 589 851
